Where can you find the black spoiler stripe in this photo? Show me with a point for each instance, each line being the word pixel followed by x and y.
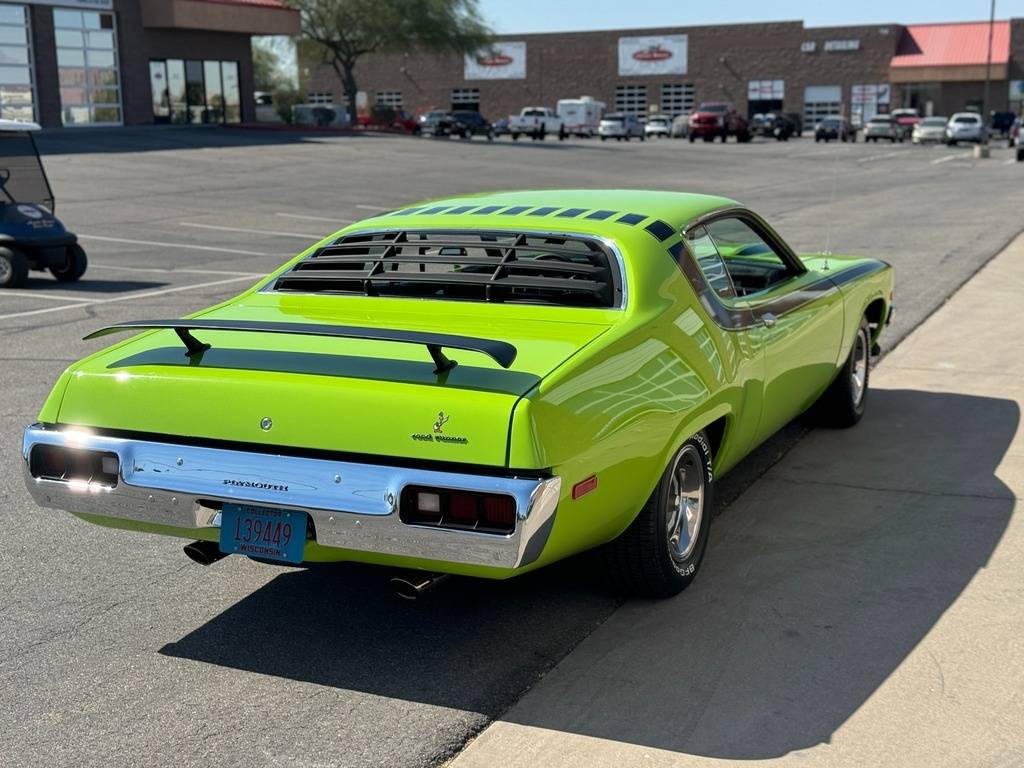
pixel 500 352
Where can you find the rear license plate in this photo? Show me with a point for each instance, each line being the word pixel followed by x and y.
pixel 273 534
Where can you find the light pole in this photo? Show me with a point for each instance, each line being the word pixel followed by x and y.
pixel 988 70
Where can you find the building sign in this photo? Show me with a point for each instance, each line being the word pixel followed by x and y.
pixel 808 46
pixel 657 55
pixel 866 94
pixel 866 101
pixel 766 90
pixel 842 45
pixel 501 61
pixel 1017 90
pixel 96 5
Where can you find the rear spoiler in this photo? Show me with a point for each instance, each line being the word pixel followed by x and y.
pixel 500 352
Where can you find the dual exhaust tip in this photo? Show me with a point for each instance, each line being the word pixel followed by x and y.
pixel 408 585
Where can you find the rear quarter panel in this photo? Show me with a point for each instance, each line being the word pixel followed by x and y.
pixel 621 407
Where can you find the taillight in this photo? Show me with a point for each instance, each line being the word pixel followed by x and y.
pixel 460 510
pixel 74 465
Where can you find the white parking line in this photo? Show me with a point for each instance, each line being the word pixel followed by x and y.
pixel 306 217
pixel 373 207
pixel 946 159
pixel 883 156
pixel 36 295
pixel 1011 161
pixel 175 271
pixel 174 245
pixel 128 297
pixel 272 233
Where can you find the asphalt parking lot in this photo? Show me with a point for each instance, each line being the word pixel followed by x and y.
pixel 118 651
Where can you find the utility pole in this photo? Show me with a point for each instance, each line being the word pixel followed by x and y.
pixel 988 70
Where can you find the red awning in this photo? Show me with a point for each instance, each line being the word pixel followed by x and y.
pixel 952 45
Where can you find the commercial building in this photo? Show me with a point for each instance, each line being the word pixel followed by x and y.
pixel 778 66
pixel 131 62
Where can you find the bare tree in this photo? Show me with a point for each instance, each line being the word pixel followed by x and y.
pixel 347 30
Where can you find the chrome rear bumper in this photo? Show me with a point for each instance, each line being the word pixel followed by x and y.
pixel 353 506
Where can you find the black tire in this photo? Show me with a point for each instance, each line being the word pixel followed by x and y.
pixel 562 135
pixel 692 138
pixel 644 561
pixel 13 268
pixel 604 138
pixel 515 137
pixel 842 404
pixel 74 267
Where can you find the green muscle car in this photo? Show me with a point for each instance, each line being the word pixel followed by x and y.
pixel 479 385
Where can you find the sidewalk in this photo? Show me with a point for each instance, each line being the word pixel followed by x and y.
pixel 861 604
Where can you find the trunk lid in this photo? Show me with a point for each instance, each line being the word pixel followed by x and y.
pixel 345 395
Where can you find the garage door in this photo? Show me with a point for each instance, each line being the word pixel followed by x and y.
pixel 821 101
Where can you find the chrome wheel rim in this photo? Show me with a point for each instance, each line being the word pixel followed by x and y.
pixel 6 270
pixel 859 374
pixel 686 503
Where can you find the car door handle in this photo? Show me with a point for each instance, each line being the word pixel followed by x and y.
pixel 768 319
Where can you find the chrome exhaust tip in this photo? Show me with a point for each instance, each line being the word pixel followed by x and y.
pixel 410 586
pixel 204 552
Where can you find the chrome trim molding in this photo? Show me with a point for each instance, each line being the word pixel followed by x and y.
pixel 353 506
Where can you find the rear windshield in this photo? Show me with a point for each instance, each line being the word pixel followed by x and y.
pixel 966 119
pixel 614 118
pixel 881 119
pixel 714 108
pixel 934 121
pixel 22 172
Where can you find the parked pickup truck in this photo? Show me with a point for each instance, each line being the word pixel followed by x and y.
pixel 537 122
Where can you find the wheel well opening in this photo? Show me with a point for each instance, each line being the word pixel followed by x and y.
pixel 875 311
pixel 715 432
pixel 875 314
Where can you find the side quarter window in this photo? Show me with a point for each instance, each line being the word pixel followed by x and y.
pixel 710 261
pixel 751 262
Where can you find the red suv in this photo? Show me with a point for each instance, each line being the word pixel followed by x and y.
pixel 718 118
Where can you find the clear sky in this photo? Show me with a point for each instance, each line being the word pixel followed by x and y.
pixel 510 16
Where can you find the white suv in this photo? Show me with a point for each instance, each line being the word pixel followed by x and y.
pixel 619 126
pixel 966 126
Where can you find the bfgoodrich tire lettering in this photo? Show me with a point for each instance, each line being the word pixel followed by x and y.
pixel 661 551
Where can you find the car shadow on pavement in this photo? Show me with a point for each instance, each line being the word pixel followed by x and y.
pixel 469 644
pixel 820 580
pixel 85 285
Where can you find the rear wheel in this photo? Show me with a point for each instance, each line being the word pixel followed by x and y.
pixel 74 267
pixel 13 268
pixel 842 404
pixel 661 551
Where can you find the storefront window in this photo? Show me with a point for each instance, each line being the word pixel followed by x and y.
pixel 232 92
pixel 17 95
pixel 90 87
pixel 195 91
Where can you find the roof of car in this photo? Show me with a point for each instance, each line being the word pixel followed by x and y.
pixel 610 213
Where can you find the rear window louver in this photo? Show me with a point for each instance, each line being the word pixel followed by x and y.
pixel 463 265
